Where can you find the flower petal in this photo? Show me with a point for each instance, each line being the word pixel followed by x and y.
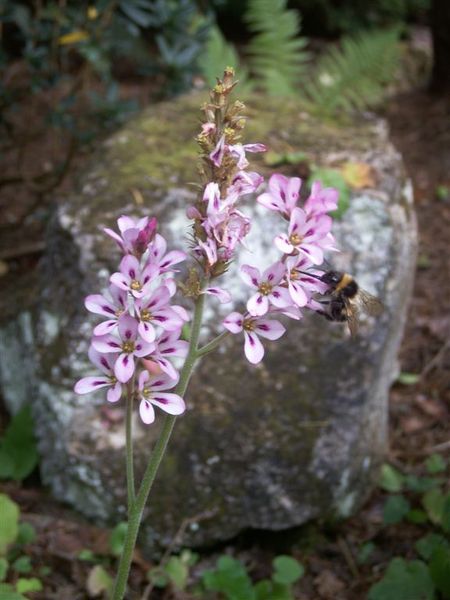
pixel 124 367
pixel 91 384
pixel 98 304
pixel 270 329
pixel 250 275
pixel 258 305
pixel 129 266
pixel 313 252
pixel 234 322
pixel 283 244
pixel 297 293
pixel 105 327
pixel 128 327
pixel 254 350
pixel 106 343
pixel 114 393
pixel 147 331
pixel 274 274
pixel 222 295
pixel 169 403
pixel 105 362
pixel 280 297
pixel 143 348
pixel 146 412
pixel 167 367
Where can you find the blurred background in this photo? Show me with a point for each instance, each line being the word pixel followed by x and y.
pixel 73 72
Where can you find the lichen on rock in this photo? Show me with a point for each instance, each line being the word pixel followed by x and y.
pixel 299 436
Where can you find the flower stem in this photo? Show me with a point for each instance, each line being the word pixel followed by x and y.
pixel 213 344
pixel 131 490
pixel 137 508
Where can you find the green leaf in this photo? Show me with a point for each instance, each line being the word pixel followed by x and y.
pixel 177 571
pixel 408 378
pixel 276 159
pixel 391 480
pixel 443 193
pixel 9 512
pixel 428 544
pixel 26 534
pixel 440 569
pixel 270 590
pixel 18 447
pixel 435 464
pixel 33 584
pixel 433 502
pixel 395 508
pixel 229 577
pixel 22 565
pixel 117 538
pixel 189 558
pixel 98 581
pixel 158 577
pixel 87 555
pixel 7 593
pixel 417 516
pixel 365 552
pixel 420 484
pixel 404 580
pixel 3 568
pixel 287 570
pixel 445 518
pixel 333 178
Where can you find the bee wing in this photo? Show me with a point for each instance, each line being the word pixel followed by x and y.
pixel 352 313
pixel 369 304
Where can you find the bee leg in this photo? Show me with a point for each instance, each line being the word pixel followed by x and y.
pixel 327 316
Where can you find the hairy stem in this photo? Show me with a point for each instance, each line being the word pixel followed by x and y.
pixel 213 344
pixel 131 490
pixel 137 509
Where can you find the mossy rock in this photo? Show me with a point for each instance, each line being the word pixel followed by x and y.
pixel 299 436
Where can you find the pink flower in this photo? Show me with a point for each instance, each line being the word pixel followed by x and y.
pixel 321 200
pixel 90 384
pixel 132 278
pixel 129 345
pixel 238 151
pixel 245 183
pixel 158 257
pixel 252 328
pixel 310 236
pixel 151 394
pixel 169 345
pixel 300 284
pixel 222 295
pixel 209 250
pixel 268 289
pixel 115 308
pixel 283 194
pixel 155 310
pixel 216 155
pixel 135 235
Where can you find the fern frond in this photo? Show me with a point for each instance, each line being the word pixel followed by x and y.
pixel 219 54
pixel 276 53
pixel 354 76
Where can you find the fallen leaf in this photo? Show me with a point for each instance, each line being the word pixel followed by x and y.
pixel 432 408
pixel 358 175
pixel 413 423
pixel 328 585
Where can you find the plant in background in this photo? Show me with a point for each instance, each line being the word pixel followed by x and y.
pixel 15 564
pixel 138 348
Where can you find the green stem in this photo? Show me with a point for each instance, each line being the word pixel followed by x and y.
pixel 213 344
pixel 135 516
pixel 131 490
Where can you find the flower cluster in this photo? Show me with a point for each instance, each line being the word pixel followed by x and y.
pixel 291 283
pixel 141 327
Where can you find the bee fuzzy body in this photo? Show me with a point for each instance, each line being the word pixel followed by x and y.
pixel 348 300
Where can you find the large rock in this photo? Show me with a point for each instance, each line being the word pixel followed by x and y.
pixel 269 447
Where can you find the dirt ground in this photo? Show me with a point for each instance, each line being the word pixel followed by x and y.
pixel 420 126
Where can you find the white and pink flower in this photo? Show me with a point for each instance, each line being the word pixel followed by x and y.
pixel 129 346
pixel 152 392
pixel 105 363
pixel 269 291
pixel 283 194
pixel 253 328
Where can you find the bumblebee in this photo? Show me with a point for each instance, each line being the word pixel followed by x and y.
pixel 347 300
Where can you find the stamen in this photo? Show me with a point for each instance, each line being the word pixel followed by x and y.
pixel 146 315
pixel 249 325
pixel 265 288
pixel 136 285
pixel 295 239
pixel 128 347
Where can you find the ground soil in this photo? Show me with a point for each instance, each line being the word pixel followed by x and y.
pixel 420 126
